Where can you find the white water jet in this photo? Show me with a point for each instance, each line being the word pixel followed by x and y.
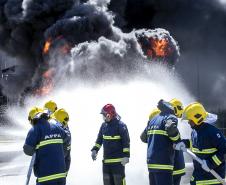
pixel 133 101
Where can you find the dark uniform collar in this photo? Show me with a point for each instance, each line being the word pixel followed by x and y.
pixel 113 121
pixel 198 127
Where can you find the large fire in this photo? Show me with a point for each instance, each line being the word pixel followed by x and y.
pixel 61 48
pixel 156 48
pixel 158 45
pixel 47 83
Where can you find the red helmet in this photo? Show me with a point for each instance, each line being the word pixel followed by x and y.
pixel 109 109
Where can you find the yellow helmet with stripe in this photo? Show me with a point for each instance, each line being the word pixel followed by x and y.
pixel 33 112
pixel 61 116
pixel 153 113
pixel 177 106
pixel 195 112
pixel 51 106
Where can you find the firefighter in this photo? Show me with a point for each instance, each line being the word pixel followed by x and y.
pixel 179 164
pixel 207 142
pixel 160 134
pixel 50 107
pixel 60 117
pixel 114 136
pixel 46 140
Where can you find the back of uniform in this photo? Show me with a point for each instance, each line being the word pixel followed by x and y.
pixel 179 164
pixel 160 153
pixel 47 140
pixel 208 143
pixel 160 150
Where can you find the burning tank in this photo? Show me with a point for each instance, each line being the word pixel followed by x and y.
pixel 158 46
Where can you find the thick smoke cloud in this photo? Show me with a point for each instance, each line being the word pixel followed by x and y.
pixel 199 27
pixel 116 59
pixel 25 26
pixel 22 27
pixel 82 23
pixel 107 60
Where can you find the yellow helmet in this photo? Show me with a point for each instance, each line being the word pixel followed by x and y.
pixel 33 112
pixel 177 106
pixel 51 106
pixel 61 116
pixel 153 113
pixel 195 112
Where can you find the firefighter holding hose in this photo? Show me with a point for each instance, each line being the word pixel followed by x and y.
pixel 207 142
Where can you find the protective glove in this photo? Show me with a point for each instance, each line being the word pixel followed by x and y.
pixel 205 166
pixel 125 160
pixel 94 155
pixel 180 146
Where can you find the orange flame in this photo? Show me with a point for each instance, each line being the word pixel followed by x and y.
pixel 47 83
pixel 160 47
pixel 47 46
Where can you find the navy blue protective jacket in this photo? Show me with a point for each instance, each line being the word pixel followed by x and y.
pixel 160 152
pixel 179 163
pixel 208 143
pixel 47 141
pixel 114 136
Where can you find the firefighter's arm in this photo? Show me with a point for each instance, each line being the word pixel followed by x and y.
pixel 219 143
pixel 66 135
pixel 187 142
pixel 99 141
pixel 31 141
pixel 171 129
pixel 68 161
pixel 125 140
pixel 144 136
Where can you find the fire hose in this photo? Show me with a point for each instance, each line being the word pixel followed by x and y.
pixel 30 168
pixel 218 177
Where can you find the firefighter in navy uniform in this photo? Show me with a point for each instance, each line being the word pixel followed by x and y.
pixel 61 118
pixel 160 134
pixel 114 136
pixel 207 142
pixel 46 140
pixel 179 164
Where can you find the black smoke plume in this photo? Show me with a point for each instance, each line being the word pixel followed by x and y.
pixel 200 27
pixel 26 26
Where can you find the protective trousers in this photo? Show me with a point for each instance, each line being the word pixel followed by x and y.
pixel 55 182
pixel 114 174
pixel 176 179
pixel 160 178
